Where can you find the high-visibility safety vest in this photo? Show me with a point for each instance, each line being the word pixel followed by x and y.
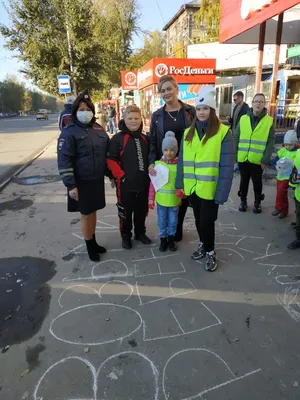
pixel 285 153
pixel 297 165
pixel 252 144
pixel 201 164
pixel 166 196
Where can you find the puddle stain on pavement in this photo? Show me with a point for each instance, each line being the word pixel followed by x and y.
pixel 25 297
pixel 36 180
pixel 15 205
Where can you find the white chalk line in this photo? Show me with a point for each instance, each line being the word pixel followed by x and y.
pixel 288 302
pixel 229 249
pixel 155 258
pixel 160 273
pixel 290 282
pixel 183 332
pixel 101 342
pixel 107 275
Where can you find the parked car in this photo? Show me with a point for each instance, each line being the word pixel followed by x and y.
pixel 41 115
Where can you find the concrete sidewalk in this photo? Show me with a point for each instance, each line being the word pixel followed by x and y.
pixel 141 324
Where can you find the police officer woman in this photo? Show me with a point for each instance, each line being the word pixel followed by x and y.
pixel 174 116
pixel 82 148
pixel 205 171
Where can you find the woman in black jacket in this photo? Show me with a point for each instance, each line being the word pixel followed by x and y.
pixel 81 151
pixel 174 116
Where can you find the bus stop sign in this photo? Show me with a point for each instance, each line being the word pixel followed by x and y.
pixel 64 85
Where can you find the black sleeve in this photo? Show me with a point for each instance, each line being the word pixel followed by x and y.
pixel 66 151
pixel 152 138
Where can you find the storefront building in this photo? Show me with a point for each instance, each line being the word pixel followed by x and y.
pixel 190 74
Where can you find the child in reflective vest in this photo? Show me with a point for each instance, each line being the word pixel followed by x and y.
pixel 295 181
pixel 288 152
pixel 167 197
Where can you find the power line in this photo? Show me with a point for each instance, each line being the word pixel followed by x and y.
pixel 161 14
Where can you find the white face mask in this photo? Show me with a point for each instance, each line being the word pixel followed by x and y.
pixel 84 116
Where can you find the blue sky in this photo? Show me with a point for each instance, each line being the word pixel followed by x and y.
pixel 152 18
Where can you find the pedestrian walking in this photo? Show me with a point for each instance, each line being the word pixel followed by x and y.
pixel 111 120
pixel 167 198
pixel 289 152
pixel 65 117
pixel 205 171
pixel 174 116
pixel 255 139
pixel 81 151
pixel 128 162
pixel 295 181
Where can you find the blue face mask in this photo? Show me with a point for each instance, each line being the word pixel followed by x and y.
pixel 85 117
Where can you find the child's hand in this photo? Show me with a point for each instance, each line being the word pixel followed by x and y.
pixel 151 204
pixel 180 193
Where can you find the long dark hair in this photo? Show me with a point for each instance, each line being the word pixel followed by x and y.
pixel 213 127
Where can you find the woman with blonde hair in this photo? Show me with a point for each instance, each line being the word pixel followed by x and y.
pixel 174 116
pixel 205 171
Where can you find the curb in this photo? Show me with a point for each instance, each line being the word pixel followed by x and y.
pixel 24 166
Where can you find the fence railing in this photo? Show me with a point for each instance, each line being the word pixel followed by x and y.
pixel 285 113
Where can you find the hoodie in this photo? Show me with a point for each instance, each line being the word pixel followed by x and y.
pixel 65 117
pixel 254 122
pixel 128 158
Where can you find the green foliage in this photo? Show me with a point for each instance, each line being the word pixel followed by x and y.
pixel 154 47
pixel 209 17
pixel 99 40
pixel 15 97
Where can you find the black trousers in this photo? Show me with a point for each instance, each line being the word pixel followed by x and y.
pixel 297 210
pixel 135 207
pixel 181 214
pixel 206 214
pixel 253 171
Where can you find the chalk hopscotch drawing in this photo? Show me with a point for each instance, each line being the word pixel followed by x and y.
pixel 180 325
pixel 287 280
pixel 173 393
pixel 94 291
pixel 290 301
pixel 142 290
pixel 139 274
pixel 152 256
pixel 111 311
pixel 44 385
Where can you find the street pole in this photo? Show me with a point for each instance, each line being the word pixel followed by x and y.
pixel 276 63
pixel 70 56
pixel 260 57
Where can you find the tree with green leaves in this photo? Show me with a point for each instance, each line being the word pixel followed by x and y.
pixel 88 40
pixel 154 47
pixel 208 16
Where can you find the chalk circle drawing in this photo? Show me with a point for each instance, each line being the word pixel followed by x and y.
pixel 290 301
pixel 87 289
pixel 287 280
pixel 113 266
pixel 171 293
pixel 231 253
pixel 55 377
pixel 180 326
pixel 80 325
pixel 199 358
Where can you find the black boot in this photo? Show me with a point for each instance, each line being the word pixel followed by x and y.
pixel 171 241
pixel 126 242
pixel 143 238
pixel 243 206
pixel 99 249
pixel 257 201
pixel 163 244
pixel 92 252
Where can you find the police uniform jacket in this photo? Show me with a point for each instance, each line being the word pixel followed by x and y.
pixel 81 153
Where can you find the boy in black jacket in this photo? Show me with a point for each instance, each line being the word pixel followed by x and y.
pixel 128 162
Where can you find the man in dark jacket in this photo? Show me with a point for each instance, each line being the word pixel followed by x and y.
pixel 111 120
pixel 240 108
pixel 65 117
pixel 128 162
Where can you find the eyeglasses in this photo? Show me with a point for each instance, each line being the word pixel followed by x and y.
pixel 258 102
pixel 236 99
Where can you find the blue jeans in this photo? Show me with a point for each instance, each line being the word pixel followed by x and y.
pixel 167 218
pixel 112 126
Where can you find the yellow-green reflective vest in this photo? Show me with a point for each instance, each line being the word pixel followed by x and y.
pixel 201 164
pixel 297 165
pixel 166 196
pixel 252 144
pixel 285 153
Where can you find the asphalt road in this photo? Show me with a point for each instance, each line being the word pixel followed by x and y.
pixel 21 138
pixel 142 325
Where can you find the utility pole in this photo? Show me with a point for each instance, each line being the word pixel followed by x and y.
pixel 70 50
